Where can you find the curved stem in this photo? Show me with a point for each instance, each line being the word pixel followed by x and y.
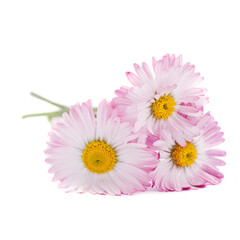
pixel 49 115
pixel 49 101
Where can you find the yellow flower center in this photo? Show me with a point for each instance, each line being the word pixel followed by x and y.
pixel 99 157
pixel 184 156
pixel 163 107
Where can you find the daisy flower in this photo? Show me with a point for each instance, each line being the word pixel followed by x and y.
pixel 160 100
pixel 96 155
pixel 194 165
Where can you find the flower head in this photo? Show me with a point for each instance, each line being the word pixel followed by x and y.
pixel 97 155
pixel 161 100
pixel 194 165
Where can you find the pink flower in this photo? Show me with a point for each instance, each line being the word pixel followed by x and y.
pixel 194 165
pixel 161 100
pixel 96 155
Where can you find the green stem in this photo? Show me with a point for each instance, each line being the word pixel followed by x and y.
pixel 47 114
pixel 51 115
pixel 49 101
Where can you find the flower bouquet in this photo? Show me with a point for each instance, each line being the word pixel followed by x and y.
pixel 152 135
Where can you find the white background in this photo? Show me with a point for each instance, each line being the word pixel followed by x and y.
pixel 71 51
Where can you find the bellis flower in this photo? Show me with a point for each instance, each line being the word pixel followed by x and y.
pixel 159 100
pixel 194 165
pixel 96 154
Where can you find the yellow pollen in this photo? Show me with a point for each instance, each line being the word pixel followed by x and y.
pixel 163 107
pixel 99 157
pixel 184 156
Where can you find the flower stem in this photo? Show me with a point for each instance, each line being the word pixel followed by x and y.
pixel 49 101
pixel 47 114
pixel 51 115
